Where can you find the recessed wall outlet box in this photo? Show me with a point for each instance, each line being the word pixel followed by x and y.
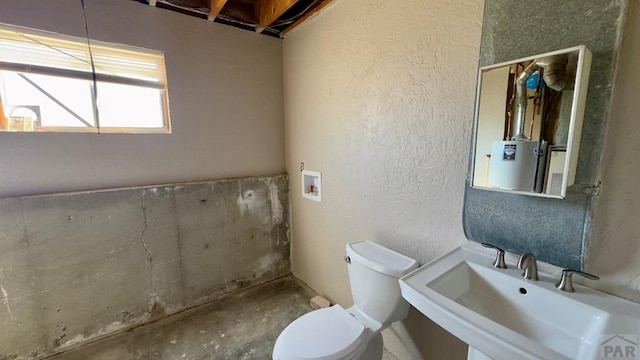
pixel 312 185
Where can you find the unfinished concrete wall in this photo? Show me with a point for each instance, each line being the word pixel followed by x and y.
pixel 77 266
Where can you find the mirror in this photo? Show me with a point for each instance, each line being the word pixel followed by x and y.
pixel 528 123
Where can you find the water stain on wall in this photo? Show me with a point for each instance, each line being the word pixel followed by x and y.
pixel 81 266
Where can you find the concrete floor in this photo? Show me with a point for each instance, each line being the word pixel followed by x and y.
pixel 243 325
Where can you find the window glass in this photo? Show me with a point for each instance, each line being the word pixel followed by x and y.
pixel 48 83
pixel 129 106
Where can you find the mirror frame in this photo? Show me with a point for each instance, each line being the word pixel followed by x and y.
pixel 581 84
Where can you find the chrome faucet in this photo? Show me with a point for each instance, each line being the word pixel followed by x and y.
pixel 528 263
pixel 499 262
pixel 566 283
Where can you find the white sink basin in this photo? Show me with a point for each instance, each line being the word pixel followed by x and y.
pixel 503 316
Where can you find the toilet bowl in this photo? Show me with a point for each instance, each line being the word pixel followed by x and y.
pixel 335 333
pixel 330 333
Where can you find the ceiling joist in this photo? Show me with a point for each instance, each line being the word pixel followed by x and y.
pixel 216 6
pixel 310 14
pixel 268 17
pixel 270 10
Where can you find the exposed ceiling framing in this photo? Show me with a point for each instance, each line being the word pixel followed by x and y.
pixel 216 6
pixel 269 17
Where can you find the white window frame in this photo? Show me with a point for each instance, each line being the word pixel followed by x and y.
pixel 31 51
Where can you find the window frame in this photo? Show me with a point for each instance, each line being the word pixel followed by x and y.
pixel 110 72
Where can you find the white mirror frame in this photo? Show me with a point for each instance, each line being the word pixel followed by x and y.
pixel 575 125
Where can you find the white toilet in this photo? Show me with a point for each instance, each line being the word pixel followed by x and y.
pixel 335 333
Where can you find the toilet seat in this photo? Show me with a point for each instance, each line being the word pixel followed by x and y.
pixel 325 334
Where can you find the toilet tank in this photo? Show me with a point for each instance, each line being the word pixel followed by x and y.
pixel 374 271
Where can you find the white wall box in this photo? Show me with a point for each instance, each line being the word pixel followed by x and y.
pixel 311 185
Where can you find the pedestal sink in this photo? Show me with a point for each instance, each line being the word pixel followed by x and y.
pixel 503 316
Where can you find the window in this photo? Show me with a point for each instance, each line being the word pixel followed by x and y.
pixel 51 82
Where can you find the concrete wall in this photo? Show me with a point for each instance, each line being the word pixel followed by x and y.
pixel 614 251
pixel 78 266
pixel 225 89
pixel 379 97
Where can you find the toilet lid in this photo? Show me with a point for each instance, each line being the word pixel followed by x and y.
pixel 330 333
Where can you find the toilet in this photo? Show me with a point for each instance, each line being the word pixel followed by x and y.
pixel 334 333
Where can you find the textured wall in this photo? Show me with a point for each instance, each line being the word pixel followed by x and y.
pixel 554 230
pixel 614 251
pixel 225 89
pixel 379 98
pixel 77 266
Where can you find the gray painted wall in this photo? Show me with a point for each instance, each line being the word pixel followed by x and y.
pixel 555 230
pixel 78 266
pixel 225 97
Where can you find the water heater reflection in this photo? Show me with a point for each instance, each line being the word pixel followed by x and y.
pixel 514 165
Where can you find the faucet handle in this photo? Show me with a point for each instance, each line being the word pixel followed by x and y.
pixel 499 262
pixel 566 281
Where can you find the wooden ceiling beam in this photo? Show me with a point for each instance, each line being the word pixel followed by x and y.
pixel 216 6
pixel 270 10
pixel 311 13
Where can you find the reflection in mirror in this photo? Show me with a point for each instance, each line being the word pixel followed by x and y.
pixel 528 123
